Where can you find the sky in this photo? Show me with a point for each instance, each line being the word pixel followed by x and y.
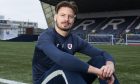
pixel 23 10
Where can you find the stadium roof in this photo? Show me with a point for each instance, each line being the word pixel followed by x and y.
pixel 86 6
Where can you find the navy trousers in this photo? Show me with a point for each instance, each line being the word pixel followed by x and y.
pixel 58 75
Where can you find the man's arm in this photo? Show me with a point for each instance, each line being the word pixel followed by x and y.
pixel 61 58
pixel 86 48
pixel 108 69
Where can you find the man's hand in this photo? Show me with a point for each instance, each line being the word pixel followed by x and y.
pixel 105 72
pixel 108 69
pixel 96 71
pixel 111 80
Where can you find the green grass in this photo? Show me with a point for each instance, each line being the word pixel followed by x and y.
pixel 16 59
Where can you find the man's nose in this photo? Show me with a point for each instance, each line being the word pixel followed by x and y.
pixel 66 18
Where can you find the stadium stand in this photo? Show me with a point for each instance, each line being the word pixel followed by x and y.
pixel 116 18
pixel 116 26
pixel 135 27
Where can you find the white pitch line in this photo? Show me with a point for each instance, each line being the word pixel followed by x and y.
pixel 10 81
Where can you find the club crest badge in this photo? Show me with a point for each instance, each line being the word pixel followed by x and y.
pixel 69 46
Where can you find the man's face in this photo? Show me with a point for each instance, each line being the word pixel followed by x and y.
pixel 64 18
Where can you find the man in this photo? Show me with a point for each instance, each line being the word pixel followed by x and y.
pixel 54 61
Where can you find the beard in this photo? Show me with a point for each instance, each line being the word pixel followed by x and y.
pixel 63 29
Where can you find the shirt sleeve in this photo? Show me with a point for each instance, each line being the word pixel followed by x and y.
pixel 66 60
pixel 92 51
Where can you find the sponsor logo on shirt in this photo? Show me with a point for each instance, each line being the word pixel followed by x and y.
pixel 57 45
pixel 69 46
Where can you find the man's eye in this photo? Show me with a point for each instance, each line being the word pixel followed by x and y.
pixel 71 17
pixel 62 15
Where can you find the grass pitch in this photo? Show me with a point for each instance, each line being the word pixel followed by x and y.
pixel 16 59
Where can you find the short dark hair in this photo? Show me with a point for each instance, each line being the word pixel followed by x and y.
pixel 70 4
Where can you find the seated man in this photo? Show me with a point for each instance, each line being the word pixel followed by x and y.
pixel 54 61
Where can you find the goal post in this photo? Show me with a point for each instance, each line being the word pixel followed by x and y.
pixel 101 39
pixel 132 39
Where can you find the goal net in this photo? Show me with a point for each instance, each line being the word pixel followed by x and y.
pixel 101 38
pixel 132 39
